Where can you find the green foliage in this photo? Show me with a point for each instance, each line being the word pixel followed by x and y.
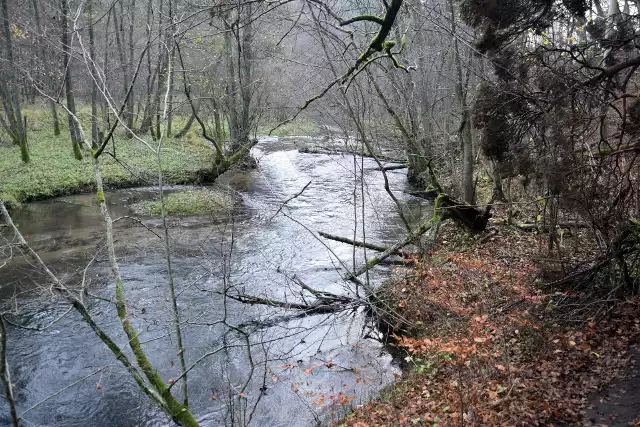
pixel 53 170
pixel 189 202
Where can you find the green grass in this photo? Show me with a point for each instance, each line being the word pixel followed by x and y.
pixel 53 170
pixel 189 202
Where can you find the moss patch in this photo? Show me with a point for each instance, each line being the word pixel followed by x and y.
pixel 189 202
pixel 53 170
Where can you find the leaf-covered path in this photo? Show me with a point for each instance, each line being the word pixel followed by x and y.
pixel 619 403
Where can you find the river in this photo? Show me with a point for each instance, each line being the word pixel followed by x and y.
pixel 304 369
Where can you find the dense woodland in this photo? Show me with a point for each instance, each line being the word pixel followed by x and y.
pixel 518 120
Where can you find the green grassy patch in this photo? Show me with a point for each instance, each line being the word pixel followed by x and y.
pixel 189 202
pixel 53 170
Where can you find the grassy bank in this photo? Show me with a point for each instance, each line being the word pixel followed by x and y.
pixel 206 201
pixel 54 171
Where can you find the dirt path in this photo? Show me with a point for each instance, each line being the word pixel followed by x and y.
pixel 619 404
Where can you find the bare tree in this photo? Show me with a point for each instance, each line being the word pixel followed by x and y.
pixel 67 39
pixel 12 121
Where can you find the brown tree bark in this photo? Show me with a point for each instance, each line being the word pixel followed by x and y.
pixel 16 126
pixel 47 78
pixel 68 81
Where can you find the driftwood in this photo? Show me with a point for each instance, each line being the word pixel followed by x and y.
pixel 392 167
pixel 324 302
pixel 542 227
pixel 471 217
pixel 358 243
pixel 308 150
pixel 327 302
pixel 391 250
pixel 319 307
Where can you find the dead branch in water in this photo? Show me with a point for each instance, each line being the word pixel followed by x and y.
pixel 307 150
pixel 358 243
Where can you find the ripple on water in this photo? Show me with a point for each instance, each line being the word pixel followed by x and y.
pixel 267 252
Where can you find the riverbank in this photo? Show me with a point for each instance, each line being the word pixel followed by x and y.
pixel 53 171
pixel 486 342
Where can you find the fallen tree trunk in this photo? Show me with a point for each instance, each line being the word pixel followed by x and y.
pixel 471 217
pixel 358 243
pixel 542 227
pixel 391 250
pixel 394 167
pixel 391 167
pixel 308 150
pixel 327 302
pixel 320 307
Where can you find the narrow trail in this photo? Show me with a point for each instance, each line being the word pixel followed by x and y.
pixel 619 403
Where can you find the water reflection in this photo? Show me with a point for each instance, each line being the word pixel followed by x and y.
pixel 304 368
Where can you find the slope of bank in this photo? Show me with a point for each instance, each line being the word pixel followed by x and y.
pixel 53 170
pixel 485 340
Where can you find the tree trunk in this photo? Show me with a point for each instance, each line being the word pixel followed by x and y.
pixel 9 89
pixel 47 78
pixel 171 59
pixel 498 193
pixel 464 131
pixel 68 81
pixel 186 127
pixel 170 100
pixel 6 375
pixel 119 33
pixel 358 243
pixel 163 59
pixel 147 115
pixel 245 75
pixel 129 114
pixel 95 142
pixel 232 108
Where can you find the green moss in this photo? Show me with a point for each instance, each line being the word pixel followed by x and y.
pixel 189 202
pixel 100 196
pixel 53 170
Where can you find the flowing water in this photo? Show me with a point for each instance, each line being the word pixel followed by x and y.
pixel 298 371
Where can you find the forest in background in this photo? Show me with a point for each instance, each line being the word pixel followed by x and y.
pixel 518 120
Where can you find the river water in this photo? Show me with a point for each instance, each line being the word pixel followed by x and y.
pixel 305 369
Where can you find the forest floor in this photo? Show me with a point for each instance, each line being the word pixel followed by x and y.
pixel 486 340
pixel 619 403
